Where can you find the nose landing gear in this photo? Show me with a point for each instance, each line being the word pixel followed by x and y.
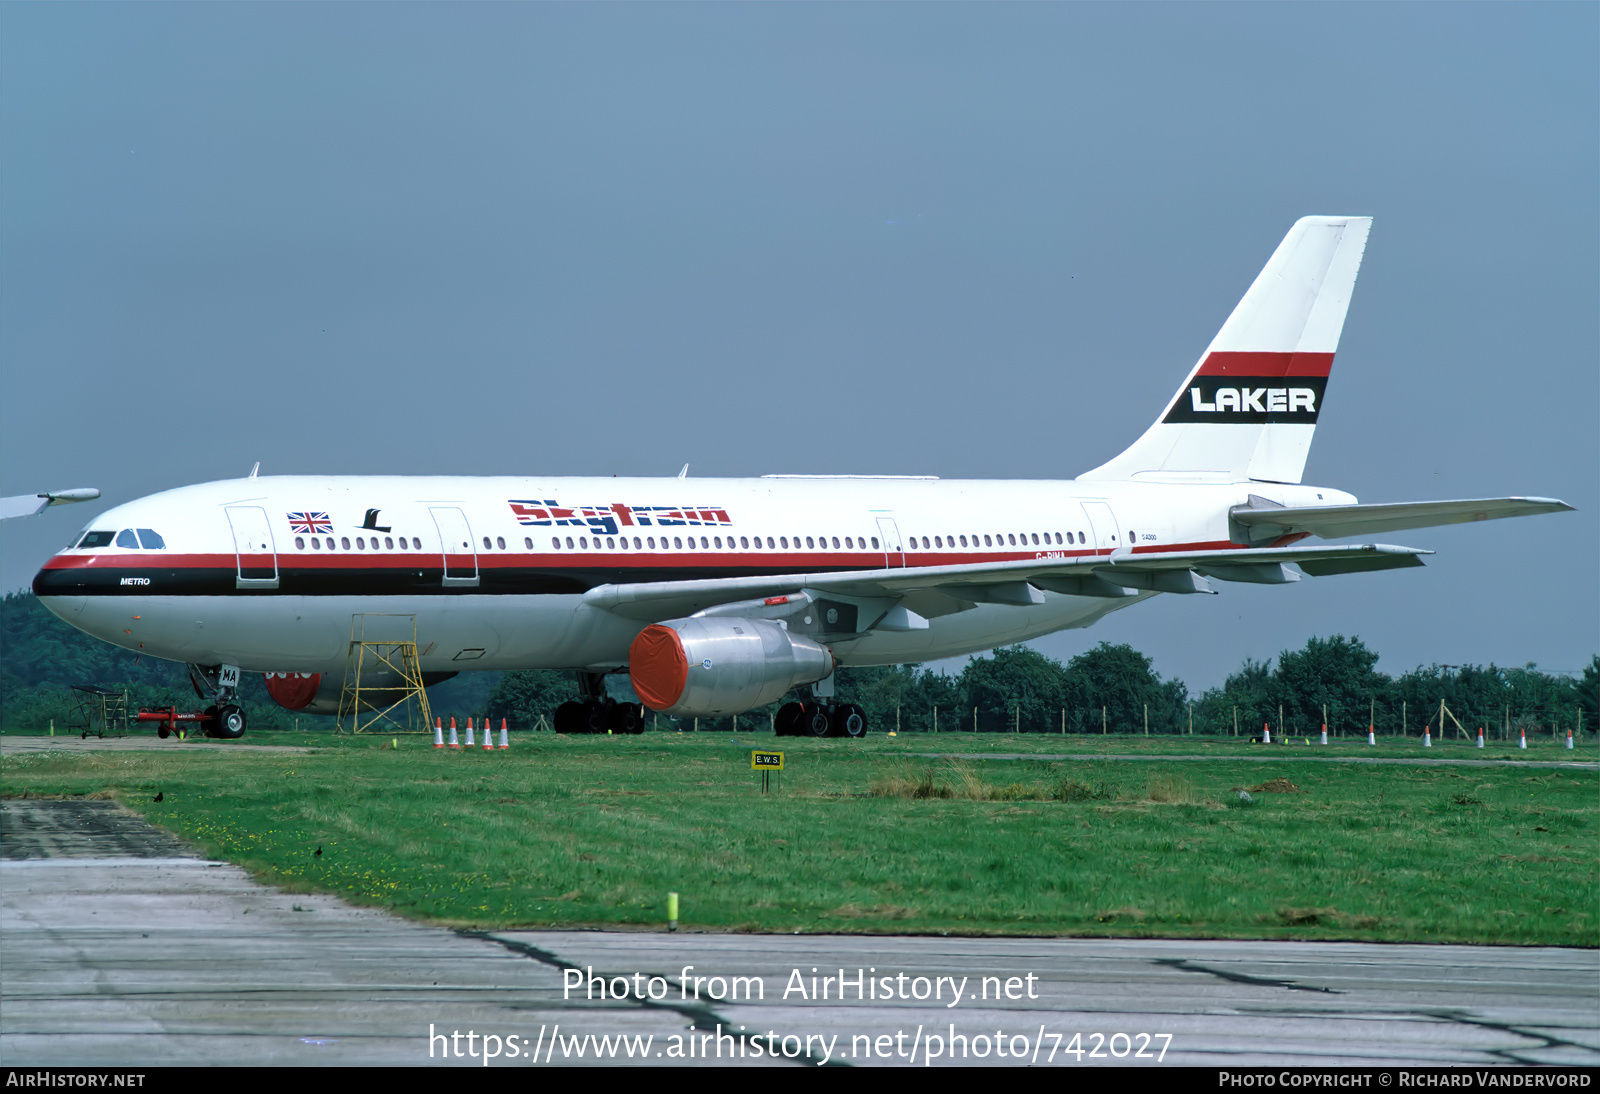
pixel 224 719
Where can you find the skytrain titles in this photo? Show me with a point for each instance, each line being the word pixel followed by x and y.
pixel 608 519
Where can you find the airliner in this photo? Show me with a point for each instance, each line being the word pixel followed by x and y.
pixel 717 596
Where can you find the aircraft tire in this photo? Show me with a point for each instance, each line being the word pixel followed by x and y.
pixel 596 717
pixel 791 717
pixel 569 718
pixel 819 722
pixel 849 720
pixel 229 724
pixel 625 718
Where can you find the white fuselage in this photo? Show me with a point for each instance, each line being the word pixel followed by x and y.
pixel 272 574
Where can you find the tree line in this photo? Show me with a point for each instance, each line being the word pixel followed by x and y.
pixel 1110 688
pixel 1115 689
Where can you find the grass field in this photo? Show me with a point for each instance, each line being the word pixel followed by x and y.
pixel 885 836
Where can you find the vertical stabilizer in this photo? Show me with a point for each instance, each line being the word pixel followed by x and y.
pixel 1249 407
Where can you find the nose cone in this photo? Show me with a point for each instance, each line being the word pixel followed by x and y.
pixel 57 590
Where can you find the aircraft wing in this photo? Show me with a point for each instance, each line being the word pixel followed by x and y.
pixel 26 505
pixel 1119 574
pixel 1266 522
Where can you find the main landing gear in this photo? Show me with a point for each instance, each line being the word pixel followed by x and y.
pixel 597 712
pixel 819 719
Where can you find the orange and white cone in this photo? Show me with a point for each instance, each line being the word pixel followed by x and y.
pixel 1523 741
pixel 1324 733
pixel 455 742
pixel 438 733
pixel 1569 738
pixel 488 736
pixel 505 741
pixel 470 743
pixel 1480 736
pixel 1266 734
pixel 1427 736
pixel 1372 735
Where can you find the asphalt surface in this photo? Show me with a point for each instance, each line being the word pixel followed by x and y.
pixel 121 948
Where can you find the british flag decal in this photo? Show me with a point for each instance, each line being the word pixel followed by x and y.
pixel 311 524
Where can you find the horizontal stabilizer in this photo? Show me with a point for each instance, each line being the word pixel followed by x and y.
pixel 1266 523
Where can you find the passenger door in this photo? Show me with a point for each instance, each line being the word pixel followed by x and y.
pixel 455 543
pixel 894 551
pixel 1103 526
pixel 253 546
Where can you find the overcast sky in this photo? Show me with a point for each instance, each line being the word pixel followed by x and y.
pixel 980 241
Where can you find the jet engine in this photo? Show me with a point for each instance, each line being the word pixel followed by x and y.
pixel 318 693
pixel 721 665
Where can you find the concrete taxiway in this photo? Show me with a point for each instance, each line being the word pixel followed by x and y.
pixel 120 948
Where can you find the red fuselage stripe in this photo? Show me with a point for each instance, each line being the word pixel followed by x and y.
pixel 699 560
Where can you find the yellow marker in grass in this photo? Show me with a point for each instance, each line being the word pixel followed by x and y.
pixel 672 911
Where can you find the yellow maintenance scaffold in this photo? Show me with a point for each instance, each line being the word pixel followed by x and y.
pixel 382 673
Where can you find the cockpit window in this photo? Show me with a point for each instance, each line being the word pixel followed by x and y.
pixel 125 538
pixel 151 541
pixel 96 539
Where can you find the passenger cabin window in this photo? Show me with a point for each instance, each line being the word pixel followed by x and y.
pixel 388 543
pixel 126 538
pixel 344 541
pixel 299 543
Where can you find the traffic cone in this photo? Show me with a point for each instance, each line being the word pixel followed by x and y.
pixel 1569 738
pixel 505 741
pixel 1523 742
pixel 1480 736
pixel 1324 732
pixel 1427 736
pixel 470 743
pixel 1372 735
pixel 438 733
pixel 488 736
pixel 454 741
pixel 1266 733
